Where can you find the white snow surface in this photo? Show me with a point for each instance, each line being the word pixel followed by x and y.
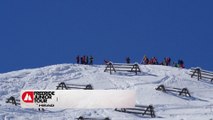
pixel 167 106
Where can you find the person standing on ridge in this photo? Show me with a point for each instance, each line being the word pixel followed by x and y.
pixel 181 63
pixel 154 61
pixel 82 61
pixel 168 61
pixel 91 60
pixel 78 59
pixel 87 60
pixel 127 60
pixel 145 60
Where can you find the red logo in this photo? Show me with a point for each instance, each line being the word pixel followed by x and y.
pixel 28 97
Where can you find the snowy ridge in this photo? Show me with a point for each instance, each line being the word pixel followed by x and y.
pixel 167 106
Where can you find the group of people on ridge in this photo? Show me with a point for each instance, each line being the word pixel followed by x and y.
pixel 84 60
pixel 146 60
pixel 166 61
pixel 154 61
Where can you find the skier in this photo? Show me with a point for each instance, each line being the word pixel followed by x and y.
pixel 168 61
pixel 82 60
pixel 151 61
pixel 181 63
pixel 154 60
pixel 127 60
pixel 87 60
pixel 145 60
pixel 164 61
pixel 91 60
pixel 78 59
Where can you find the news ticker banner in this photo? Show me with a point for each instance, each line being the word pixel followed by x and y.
pixel 84 99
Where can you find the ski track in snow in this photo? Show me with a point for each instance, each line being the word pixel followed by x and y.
pixel 167 105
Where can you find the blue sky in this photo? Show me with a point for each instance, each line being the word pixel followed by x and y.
pixel 45 32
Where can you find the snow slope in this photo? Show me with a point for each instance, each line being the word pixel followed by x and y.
pixel 167 106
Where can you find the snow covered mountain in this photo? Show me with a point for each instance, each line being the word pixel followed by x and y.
pixel 167 106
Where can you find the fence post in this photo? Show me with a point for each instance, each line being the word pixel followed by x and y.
pixel 185 92
pixel 89 87
pixel 152 112
pixel 161 88
pixel 63 85
pixel 110 68
pixel 198 71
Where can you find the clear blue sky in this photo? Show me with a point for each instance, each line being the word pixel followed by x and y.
pixel 35 33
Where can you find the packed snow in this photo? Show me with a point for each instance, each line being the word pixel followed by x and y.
pixel 167 106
